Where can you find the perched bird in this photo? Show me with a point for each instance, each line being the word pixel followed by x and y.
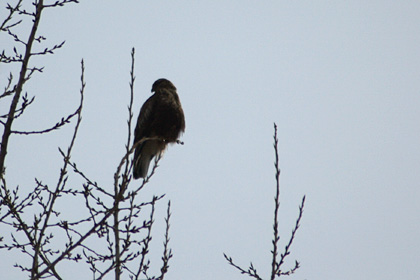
pixel 161 116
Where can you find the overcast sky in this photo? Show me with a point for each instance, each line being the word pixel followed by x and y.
pixel 340 79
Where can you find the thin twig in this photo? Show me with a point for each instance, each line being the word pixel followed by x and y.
pixel 167 253
pixel 19 88
pixel 58 125
pixel 276 237
pixel 12 10
pixel 275 263
pixel 289 244
pixel 62 180
pixel 252 272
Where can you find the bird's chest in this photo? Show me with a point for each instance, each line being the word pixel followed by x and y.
pixel 168 120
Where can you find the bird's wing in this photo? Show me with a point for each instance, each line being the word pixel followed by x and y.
pixel 145 119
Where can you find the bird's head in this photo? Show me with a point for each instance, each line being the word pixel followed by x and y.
pixel 162 84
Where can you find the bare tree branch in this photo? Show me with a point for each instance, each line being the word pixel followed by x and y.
pixel 60 3
pixel 12 10
pixel 116 220
pixel 252 272
pixel 287 248
pixel 21 81
pixel 48 50
pixel 276 263
pixel 62 178
pixel 7 90
pixel 58 125
pixel 167 253
pixel 276 208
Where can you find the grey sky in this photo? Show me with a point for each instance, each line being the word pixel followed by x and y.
pixel 340 79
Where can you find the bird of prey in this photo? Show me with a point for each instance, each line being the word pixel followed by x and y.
pixel 161 117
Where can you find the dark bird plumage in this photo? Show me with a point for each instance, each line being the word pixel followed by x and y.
pixel 161 116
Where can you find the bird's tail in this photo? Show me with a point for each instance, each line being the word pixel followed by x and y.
pixel 148 151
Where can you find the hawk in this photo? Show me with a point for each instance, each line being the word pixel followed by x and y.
pixel 162 117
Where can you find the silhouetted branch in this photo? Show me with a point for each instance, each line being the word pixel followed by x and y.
pixel 167 253
pixel 115 220
pixel 16 39
pixel 252 272
pixel 60 3
pixel 276 263
pixel 61 181
pixel 7 90
pixel 19 87
pixel 12 10
pixel 58 125
pixel 287 247
pixel 19 112
pixel 48 50
pixel 130 104
pixel 276 238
